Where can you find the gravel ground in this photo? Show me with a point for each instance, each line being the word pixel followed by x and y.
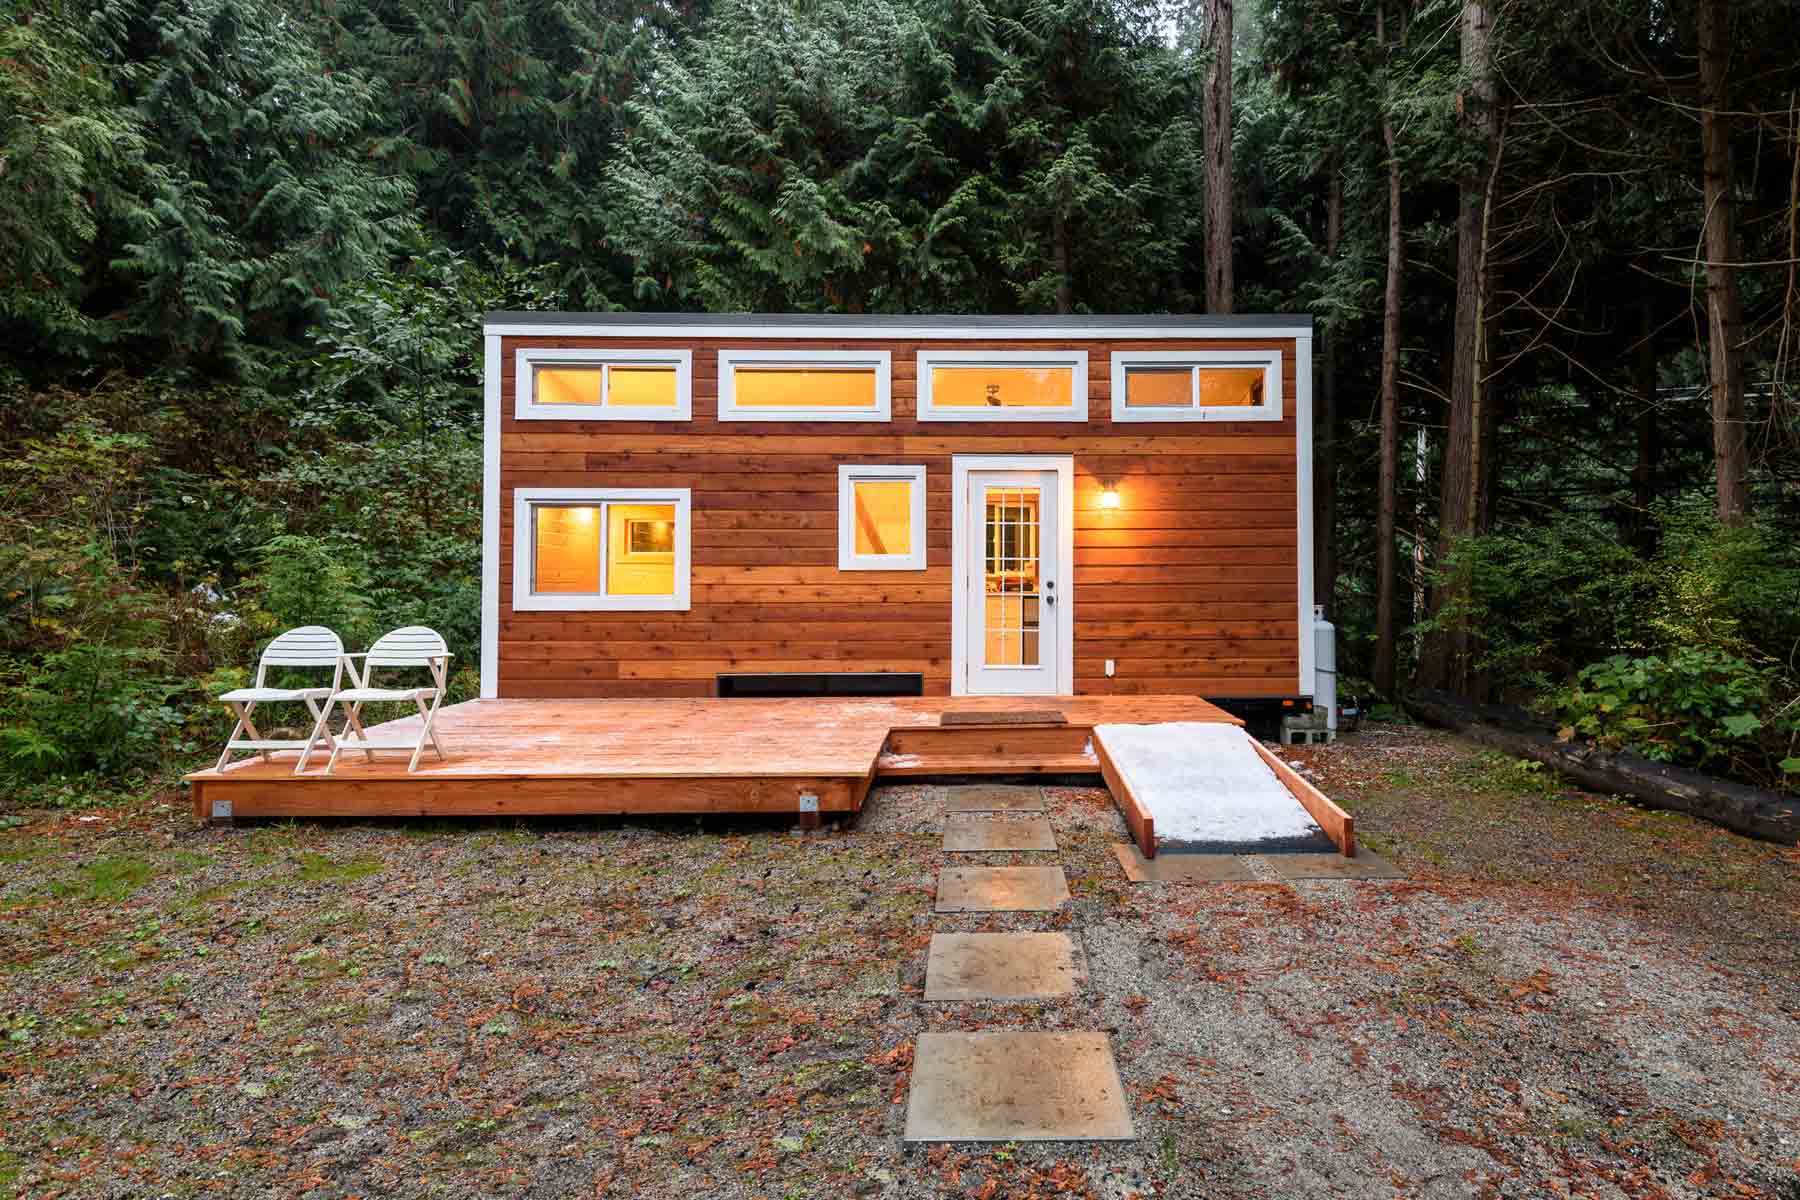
pixel 1568 996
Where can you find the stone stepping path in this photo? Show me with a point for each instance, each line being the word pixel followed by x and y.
pixel 1016 1087
pixel 993 797
pixel 1000 966
pixel 1012 1085
pixel 972 833
pixel 1001 889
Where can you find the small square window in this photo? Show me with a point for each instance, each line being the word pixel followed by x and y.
pixel 881 518
pixel 580 549
pixel 1196 385
pixel 604 385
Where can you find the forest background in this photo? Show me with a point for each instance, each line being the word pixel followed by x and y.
pixel 1550 250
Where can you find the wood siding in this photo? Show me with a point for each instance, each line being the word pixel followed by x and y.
pixel 1191 585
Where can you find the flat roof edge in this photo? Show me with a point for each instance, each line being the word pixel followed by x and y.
pixel 1051 322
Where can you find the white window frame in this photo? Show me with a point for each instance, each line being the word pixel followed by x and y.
pixel 880 361
pixel 526 599
pixel 526 407
pixel 1199 360
pixel 848 477
pixel 1076 359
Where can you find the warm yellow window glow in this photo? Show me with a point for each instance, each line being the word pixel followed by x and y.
pixel 1012 581
pixel 567 545
pixel 640 387
pixel 804 387
pixel 1231 387
pixel 1159 387
pixel 614 385
pixel 883 516
pixel 640 549
pixel 1003 387
pixel 567 385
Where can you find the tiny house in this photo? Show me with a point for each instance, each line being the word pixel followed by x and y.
pixel 686 505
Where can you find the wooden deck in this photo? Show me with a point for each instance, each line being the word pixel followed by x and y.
pixel 548 757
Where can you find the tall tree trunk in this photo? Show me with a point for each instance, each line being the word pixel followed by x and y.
pixel 1387 553
pixel 1217 119
pixel 1462 504
pixel 1325 418
pixel 1723 313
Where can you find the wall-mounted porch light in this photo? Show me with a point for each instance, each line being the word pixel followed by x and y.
pixel 1109 494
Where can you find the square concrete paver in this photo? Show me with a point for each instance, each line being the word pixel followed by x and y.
pixel 1001 889
pixel 1334 866
pixel 969 833
pixel 1181 868
pixel 1000 966
pixel 1016 1087
pixel 993 797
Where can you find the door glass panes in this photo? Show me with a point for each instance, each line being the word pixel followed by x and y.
pixel 1012 576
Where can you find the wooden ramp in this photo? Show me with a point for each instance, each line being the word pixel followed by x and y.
pixel 807 757
pixel 1200 786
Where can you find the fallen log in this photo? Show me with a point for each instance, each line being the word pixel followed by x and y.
pixel 1750 811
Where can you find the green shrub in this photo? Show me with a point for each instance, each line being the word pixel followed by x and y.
pixel 1694 706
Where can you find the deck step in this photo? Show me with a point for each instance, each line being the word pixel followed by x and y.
pixel 986 764
pixel 1016 1087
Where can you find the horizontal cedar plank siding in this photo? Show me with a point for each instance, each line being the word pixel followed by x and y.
pixel 1189 586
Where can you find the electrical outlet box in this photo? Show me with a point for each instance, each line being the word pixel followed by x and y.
pixel 1109 668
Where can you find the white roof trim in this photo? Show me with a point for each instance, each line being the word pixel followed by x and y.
pixel 988 333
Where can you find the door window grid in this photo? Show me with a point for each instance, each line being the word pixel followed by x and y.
pixel 1012 596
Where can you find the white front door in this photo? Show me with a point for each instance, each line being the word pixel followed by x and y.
pixel 1013 577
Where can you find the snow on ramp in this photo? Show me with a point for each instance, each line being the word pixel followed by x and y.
pixel 1207 790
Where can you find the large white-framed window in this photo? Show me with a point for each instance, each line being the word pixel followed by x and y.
pixel 601 549
pixel 881 518
pixel 604 384
pixel 805 385
pixel 1196 385
pixel 1003 385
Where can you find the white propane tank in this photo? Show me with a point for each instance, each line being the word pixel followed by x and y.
pixel 1325 667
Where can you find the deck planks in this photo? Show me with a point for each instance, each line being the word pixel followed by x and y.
pixel 674 755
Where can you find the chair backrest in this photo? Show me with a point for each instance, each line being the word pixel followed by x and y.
pixel 307 646
pixel 413 646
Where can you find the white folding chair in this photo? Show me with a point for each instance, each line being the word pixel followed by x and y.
pixel 414 646
pixel 307 646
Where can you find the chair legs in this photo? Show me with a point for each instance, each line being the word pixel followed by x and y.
pixel 427 733
pixel 244 724
pixel 319 735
